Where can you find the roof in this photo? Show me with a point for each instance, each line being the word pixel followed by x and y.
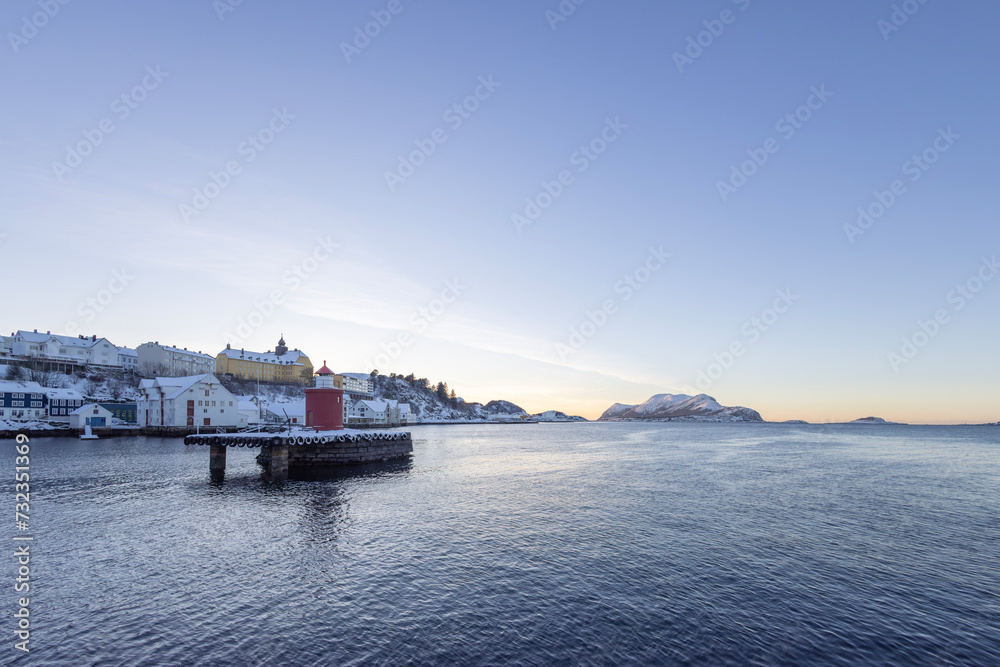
pixel 376 406
pixel 89 407
pixel 296 409
pixel 63 393
pixel 74 341
pixel 289 358
pixel 21 387
pixel 178 385
pixel 127 351
pixel 180 351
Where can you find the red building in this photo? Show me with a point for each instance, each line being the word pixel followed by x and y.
pixel 325 403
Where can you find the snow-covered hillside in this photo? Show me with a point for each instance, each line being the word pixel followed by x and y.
pixel 681 407
pixel 555 416
pixel 426 403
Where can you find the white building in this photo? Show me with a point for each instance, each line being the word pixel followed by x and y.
pixel 382 413
pixel 65 349
pixel 21 400
pixel 249 407
pixel 62 403
pixel 197 400
pixel 355 385
pixel 172 361
pixel 6 346
pixel 284 412
pixel 91 414
pixel 128 359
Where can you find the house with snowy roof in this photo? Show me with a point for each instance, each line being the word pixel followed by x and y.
pixel 197 400
pixel 62 403
pixel 294 412
pixel 22 400
pixel 387 412
pixel 278 365
pixel 79 350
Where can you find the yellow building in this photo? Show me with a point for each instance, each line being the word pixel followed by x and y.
pixel 279 365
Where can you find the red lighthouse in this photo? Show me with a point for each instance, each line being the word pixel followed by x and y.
pixel 325 403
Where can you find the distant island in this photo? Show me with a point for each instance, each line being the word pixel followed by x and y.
pixel 680 408
pixel 874 420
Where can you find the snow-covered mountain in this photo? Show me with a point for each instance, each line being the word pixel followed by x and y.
pixel 681 407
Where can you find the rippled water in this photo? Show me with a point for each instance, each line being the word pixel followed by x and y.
pixel 530 544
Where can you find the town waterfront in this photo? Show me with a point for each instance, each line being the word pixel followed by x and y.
pixel 539 544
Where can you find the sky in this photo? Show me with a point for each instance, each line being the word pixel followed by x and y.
pixel 786 206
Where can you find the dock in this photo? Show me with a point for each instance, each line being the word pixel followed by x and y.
pixel 295 454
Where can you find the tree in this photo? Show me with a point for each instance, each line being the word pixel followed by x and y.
pixel 442 391
pixel 90 387
pixel 44 378
pixel 15 373
pixel 153 370
pixel 116 388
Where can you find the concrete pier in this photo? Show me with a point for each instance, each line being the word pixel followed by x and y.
pixel 302 454
pixel 278 470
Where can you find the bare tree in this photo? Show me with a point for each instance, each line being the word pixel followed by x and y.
pixel 116 388
pixel 90 387
pixel 154 370
pixel 44 378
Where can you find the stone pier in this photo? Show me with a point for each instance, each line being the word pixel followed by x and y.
pixel 277 471
pixel 298 454
pixel 217 461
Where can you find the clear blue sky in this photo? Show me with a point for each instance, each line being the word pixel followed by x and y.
pixel 609 68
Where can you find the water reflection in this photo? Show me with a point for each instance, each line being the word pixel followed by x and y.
pixel 320 473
